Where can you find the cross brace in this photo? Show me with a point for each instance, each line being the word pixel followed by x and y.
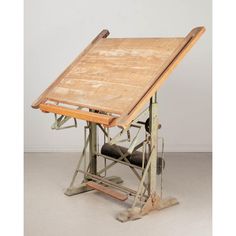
pixel 146 197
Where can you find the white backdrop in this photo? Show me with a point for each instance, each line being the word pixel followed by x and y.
pixel 57 30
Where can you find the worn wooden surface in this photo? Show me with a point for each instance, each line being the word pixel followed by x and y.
pixel 160 77
pixel 108 191
pixel 119 75
pixel 79 114
pixel 42 98
pixel 113 74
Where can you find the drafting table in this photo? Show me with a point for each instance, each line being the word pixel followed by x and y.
pixel 108 85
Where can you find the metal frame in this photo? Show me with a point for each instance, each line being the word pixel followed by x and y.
pixel 146 197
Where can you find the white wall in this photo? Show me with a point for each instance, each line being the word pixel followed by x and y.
pixel 57 30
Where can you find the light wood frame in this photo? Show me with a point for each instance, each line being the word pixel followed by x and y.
pixel 125 119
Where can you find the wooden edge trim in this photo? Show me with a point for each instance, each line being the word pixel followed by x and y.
pixel 115 194
pixel 191 39
pixel 79 114
pixel 164 67
pixel 42 98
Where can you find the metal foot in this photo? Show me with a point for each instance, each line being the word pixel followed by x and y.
pixel 153 203
pixel 76 190
pixel 130 214
pixel 115 179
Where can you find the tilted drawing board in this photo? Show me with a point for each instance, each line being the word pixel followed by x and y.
pixel 113 78
pixel 108 85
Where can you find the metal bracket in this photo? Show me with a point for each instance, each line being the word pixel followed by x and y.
pixel 59 122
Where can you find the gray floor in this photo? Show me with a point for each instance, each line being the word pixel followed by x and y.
pixel 48 212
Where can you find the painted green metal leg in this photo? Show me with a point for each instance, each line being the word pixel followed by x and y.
pixel 93 163
pixel 93 148
pixel 154 137
pixel 92 141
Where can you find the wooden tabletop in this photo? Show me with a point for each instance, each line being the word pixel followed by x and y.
pixel 117 75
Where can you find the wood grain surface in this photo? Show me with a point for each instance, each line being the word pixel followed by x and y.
pixel 113 74
pixel 79 114
pixel 42 98
pixel 117 76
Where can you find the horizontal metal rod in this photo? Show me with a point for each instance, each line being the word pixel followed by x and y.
pixel 110 183
pixel 117 160
pixel 135 126
pixel 141 122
